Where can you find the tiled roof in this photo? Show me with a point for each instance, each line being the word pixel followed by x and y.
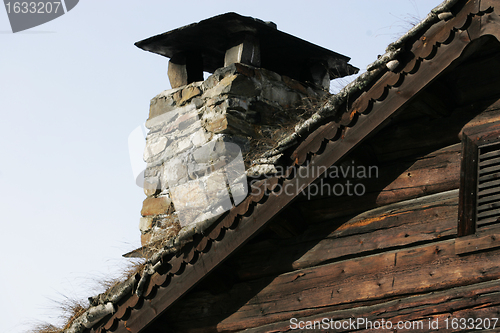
pixel 334 130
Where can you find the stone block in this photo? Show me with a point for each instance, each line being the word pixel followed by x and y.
pixel 178 147
pixel 188 93
pixel 261 170
pixel 189 216
pixel 185 69
pixel 190 195
pixel 197 102
pixel 200 137
pixel 204 154
pixel 223 72
pixel 239 126
pixel 236 68
pixel 167 117
pixel 281 95
pixel 152 170
pixel 263 74
pixel 161 105
pixel 239 191
pixel 146 238
pixel 145 224
pixel 217 191
pixel 168 153
pixel 175 170
pixel 246 52
pixel 294 85
pixel 216 124
pixel 154 146
pixel 177 97
pixel 186 119
pixel 228 124
pixel 238 84
pixel 177 74
pixel 198 170
pixel 237 104
pixel 220 88
pixel 266 112
pixel 156 206
pixel 184 144
pixel 211 81
pixel 216 101
pixel 244 69
pixel 151 186
pixel 186 133
pixel 320 76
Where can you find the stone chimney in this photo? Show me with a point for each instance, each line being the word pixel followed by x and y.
pixel 205 136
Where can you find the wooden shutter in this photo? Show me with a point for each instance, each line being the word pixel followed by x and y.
pixel 488 185
pixel 479 198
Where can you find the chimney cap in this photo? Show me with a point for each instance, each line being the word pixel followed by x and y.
pixel 279 52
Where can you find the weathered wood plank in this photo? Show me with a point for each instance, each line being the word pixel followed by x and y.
pixel 494 168
pixel 468 188
pixel 481 240
pixel 484 163
pixel 316 290
pixel 479 300
pixel 493 198
pixel 488 206
pixel 488 213
pixel 491 114
pixel 490 191
pixel 423 219
pixel 434 173
pixel 490 177
pixel 489 184
pixel 490 221
pixel 488 155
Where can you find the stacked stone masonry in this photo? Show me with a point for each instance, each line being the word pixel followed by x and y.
pixel 198 134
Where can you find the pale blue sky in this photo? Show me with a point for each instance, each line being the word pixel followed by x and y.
pixel 73 89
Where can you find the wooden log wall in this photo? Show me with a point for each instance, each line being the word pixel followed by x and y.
pixel 316 291
pixel 436 172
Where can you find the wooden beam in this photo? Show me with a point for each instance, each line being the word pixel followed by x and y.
pixel 481 300
pixel 405 180
pixel 480 241
pixel 316 290
pixel 401 224
pixel 468 188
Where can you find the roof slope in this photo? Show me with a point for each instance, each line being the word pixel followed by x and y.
pixel 334 130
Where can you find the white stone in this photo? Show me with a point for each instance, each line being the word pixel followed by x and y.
pixel 184 144
pixel 199 138
pixel 216 187
pixel 153 148
pixel 168 116
pixel 189 195
pixel 223 87
pixel 175 171
pixel 445 16
pixel 145 224
pixel 392 65
pixel 263 169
